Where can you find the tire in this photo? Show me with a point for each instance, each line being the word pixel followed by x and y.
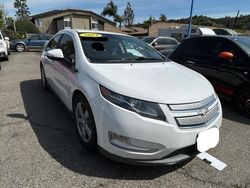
pixel 43 78
pixel 6 58
pixel 242 101
pixel 9 53
pixel 85 123
pixel 20 48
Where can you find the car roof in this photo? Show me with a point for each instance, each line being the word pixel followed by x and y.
pixel 93 31
pixel 218 36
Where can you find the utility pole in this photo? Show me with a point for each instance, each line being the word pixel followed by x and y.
pixel 236 18
pixel 190 19
pixel 14 24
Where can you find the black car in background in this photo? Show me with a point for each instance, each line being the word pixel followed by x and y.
pixel 224 61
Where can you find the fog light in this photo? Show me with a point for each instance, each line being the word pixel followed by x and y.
pixel 128 144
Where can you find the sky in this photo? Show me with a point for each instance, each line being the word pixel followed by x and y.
pixel 143 8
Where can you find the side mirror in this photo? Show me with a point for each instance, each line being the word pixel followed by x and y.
pixel 226 55
pixel 55 55
pixel 6 38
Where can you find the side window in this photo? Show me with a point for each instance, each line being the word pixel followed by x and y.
pixel 67 46
pixel 161 41
pixel 53 43
pixel 35 37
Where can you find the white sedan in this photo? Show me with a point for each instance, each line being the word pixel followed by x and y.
pixel 129 101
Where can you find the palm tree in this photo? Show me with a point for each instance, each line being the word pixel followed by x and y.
pixel 110 10
pixel 163 18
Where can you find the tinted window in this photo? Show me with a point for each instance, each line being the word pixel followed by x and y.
pixel 163 41
pixel 45 37
pixel 35 37
pixel 149 39
pixel 201 48
pixel 243 43
pixel 67 47
pixel 221 32
pixel 107 48
pixel 53 43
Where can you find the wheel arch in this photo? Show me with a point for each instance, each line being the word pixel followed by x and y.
pixel 240 87
pixel 74 95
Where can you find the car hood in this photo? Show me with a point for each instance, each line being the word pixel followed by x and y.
pixel 168 83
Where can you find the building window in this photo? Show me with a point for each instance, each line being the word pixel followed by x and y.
pixel 39 23
pixel 67 22
pixel 94 25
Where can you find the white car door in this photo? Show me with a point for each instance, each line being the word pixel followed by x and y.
pixel 49 64
pixel 64 72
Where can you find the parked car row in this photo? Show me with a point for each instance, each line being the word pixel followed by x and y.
pixel 128 100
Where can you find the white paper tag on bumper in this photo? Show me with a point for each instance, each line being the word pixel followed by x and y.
pixel 219 165
pixel 208 139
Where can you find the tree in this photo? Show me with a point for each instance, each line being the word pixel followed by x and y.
pixel 22 12
pixel 129 15
pixel 119 19
pixel 110 10
pixel 162 18
pixel 24 26
pixel 1 19
pixel 3 16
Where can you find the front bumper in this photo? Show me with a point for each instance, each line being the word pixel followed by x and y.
pixel 168 135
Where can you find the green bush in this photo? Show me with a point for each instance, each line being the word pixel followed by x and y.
pixel 14 35
pixel 25 26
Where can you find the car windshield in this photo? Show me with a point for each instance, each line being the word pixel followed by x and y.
pixel 244 43
pixel 149 39
pixel 110 48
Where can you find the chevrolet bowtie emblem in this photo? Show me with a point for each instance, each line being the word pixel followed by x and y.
pixel 203 111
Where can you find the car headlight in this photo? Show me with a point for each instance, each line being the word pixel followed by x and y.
pixel 143 108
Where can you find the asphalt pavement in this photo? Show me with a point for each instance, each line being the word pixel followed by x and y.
pixel 39 147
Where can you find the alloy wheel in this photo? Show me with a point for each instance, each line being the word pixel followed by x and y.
pixel 83 122
pixel 244 102
pixel 20 47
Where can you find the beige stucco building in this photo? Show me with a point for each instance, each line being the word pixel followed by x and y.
pixel 53 21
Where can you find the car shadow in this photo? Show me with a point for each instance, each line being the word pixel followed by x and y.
pixel 230 113
pixel 56 134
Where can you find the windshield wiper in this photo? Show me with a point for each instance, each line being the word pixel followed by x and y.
pixel 148 58
pixel 135 59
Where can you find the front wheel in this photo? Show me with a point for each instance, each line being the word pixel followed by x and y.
pixel 242 101
pixel 85 123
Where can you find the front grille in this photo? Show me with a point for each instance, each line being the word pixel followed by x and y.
pixel 192 106
pixel 197 114
pixel 200 120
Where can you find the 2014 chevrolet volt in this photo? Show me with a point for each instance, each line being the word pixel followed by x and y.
pixel 128 100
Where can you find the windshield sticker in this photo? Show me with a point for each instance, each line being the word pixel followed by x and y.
pixel 94 35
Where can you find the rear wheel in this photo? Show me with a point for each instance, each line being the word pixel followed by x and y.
pixel 242 101
pixel 20 47
pixel 85 123
pixel 9 52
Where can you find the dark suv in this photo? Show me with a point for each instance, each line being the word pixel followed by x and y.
pixel 225 61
